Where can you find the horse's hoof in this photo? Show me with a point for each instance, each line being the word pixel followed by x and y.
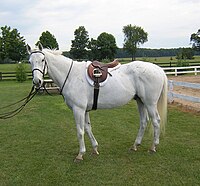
pixel 134 148
pixel 78 160
pixel 152 151
pixel 94 152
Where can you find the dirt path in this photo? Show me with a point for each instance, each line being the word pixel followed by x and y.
pixel 190 106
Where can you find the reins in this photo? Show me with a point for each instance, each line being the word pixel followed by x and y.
pixel 23 102
pixel 32 93
pixel 27 99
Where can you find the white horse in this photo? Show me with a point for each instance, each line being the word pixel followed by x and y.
pixel 144 81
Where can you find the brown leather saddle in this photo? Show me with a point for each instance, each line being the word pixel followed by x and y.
pixel 99 71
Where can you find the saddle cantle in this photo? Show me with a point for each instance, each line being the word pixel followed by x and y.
pixel 100 70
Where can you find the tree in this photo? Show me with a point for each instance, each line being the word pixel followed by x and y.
pixel 12 45
pixel 93 50
pixel 48 40
pixel 106 46
pixel 185 53
pixel 195 39
pixel 80 44
pixel 134 36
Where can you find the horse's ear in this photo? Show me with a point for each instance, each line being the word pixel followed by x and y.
pixel 28 48
pixel 40 46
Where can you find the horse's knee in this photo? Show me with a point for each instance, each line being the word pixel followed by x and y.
pixel 80 133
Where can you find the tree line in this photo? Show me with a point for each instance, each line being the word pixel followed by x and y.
pixel 104 47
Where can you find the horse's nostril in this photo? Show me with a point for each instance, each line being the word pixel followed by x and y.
pixel 37 82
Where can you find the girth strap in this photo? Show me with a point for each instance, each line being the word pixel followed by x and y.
pixel 96 94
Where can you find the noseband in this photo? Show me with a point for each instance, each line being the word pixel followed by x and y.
pixel 45 65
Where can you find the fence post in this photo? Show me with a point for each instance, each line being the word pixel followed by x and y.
pixel 176 72
pixel 0 76
pixel 195 71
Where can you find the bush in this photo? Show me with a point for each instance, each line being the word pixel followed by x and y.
pixel 21 75
pixel 182 63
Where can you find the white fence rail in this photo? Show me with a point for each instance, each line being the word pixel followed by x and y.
pixel 182 70
pixel 172 95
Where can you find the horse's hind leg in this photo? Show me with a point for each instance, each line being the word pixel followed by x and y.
pixel 88 129
pixel 143 123
pixel 153 113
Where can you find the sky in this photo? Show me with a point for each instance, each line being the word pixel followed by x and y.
pixel 169 23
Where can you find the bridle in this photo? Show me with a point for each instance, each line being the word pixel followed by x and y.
pixel 45 64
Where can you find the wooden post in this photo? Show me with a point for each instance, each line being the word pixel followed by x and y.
pixel 195 71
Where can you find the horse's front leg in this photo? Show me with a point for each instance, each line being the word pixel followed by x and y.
pixel 88 129
pixel 79 115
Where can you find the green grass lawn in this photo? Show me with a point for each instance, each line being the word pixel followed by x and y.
pixel 159 59
pixel 12 67
pixel 38 146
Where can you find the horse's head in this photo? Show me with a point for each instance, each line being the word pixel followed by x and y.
pixel 39 65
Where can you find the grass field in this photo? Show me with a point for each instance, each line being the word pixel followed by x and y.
pixel 12 67
pixel 160 59
pixel 37 147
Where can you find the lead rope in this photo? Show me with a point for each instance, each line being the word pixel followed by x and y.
pixel 24 102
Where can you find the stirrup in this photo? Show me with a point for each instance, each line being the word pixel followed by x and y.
pixel 97 73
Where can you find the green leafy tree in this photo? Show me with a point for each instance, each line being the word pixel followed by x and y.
pixel 80 44
pixel 12 45
pixel 195 39
pixel 185 53
pixel 106 45
pixel 48 40
pixel 93 50
pixel 134 36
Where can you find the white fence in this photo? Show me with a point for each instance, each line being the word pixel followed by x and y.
pixel 172 95
pixel 182 70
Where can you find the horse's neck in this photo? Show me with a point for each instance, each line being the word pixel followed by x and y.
pixel 58 68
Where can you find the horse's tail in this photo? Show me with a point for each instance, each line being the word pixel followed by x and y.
pixel 162 105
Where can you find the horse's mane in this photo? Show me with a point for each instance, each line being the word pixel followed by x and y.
pixel 53 51
pixel 56 53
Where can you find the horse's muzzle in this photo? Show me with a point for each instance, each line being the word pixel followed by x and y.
pixel 37 82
